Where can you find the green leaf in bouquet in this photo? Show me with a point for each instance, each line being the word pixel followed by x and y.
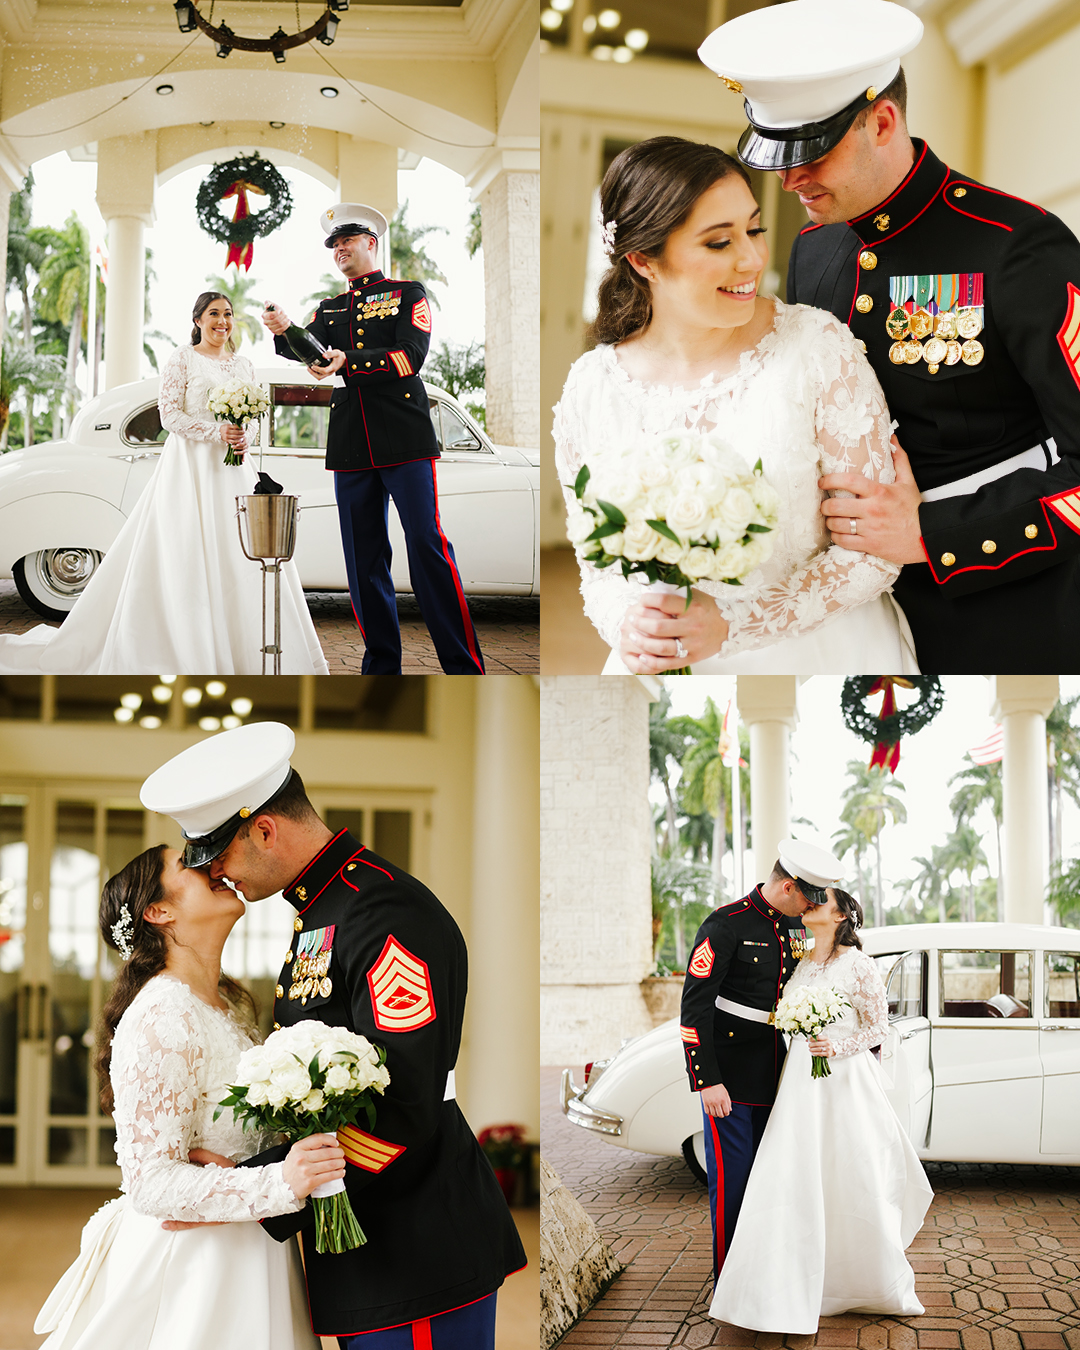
pixel 757 467
pixel 602 531
pixel 662 528
pixel 612 512
pixel 581 480
pixel 755 528
pixel 604 559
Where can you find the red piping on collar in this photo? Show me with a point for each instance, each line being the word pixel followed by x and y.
pixel 814 225
pixel 903 184
pixel 316 858
pixel 356 857
pixel 879 243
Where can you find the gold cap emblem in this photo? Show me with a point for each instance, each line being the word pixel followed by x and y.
pixel 1031 531
pixel 947 559
pixel 733 85
pixel 245 811
pixel 960 192
pixel 871 93
pixel 882 222
pixel 330 214
pixel 989 546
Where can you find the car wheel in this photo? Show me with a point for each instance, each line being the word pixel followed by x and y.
pixel 52 580
pixel 693 1151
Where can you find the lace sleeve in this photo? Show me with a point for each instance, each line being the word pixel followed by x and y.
pixel 853 431
pixel 174 381
pixel 606 593
pixel 871 1008
pixel 156 1065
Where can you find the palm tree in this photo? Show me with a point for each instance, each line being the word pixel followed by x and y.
pixel 62 292
pixel 328 287
pixel 928 884
pixel 1063 746
pixel 1063 893
pixel 474 240
pixel 680 888
pixel 24 369
pixel 867 802
pixel 665 744
pixel 703 778
pixel 962 852
pixel 408 257
pixel 246 321
pixel 24 254
pixel 981 786
pixel 847 840
pixel 457 368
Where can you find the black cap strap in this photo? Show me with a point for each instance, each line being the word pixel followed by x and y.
pixel 204 848
pixel 833 126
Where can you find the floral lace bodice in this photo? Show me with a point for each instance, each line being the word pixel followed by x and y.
pixel 185 386
pixel 172 1059
pixel 806 402
pixel 853 974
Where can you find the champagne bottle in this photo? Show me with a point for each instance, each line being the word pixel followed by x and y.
pixel 304 346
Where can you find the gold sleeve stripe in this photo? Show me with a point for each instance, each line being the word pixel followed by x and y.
pixel 401 361
pixel 366 1151
pixel 1068 508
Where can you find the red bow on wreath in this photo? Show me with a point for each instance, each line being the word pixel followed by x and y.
pixel 240 255
pixel 887 754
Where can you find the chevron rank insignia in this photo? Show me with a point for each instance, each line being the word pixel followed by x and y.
pixel 364 1150
pixel 1067 506
pixel 701 962
pixel 402 364
pixel 689 1035
pixel 1069 337
pixel 421 315
pixel 401 994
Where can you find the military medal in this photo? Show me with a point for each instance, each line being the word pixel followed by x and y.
pixel 912 352
pixel 969 322
pixel 896 325
pixel 972 352
pixel 311 964
pixel 945 325
pixel 896 353
pixel 325 988
pixel 934 351
pixel 954 353
pixel 921 324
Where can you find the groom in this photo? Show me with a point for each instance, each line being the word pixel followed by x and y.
pixel 374 951
pixel 744 955
pixel 966 302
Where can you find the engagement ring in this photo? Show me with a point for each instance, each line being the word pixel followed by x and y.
pixel 680 650
pixel 854 526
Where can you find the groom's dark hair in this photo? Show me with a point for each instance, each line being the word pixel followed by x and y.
pixel 649 191
pixel 291 803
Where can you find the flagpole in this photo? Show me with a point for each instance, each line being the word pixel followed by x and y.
pixel 730 752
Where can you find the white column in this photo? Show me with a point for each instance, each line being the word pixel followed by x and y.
pixel 127 171
pixel 508 190
pixel 367 173
pixel 503 1025
pixel 1021 704
pixel 767 704
pixel 595 830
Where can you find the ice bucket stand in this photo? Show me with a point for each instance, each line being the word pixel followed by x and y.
pixel 267 529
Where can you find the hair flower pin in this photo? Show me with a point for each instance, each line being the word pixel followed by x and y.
pixel 607 231
pixel 123 932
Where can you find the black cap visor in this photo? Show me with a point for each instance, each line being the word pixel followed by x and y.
pixel 344 231
pixel 204 848
pixel 817 895
pixel 788 147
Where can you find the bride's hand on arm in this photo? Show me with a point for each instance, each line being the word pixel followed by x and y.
pixel 654 624
pixel 886 515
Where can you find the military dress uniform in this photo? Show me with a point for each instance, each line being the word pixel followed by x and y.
pixel 381 444
pixel 744 954
pixel 374 951
pixel 966 301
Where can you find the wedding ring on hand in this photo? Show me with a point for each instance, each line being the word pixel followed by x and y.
pixel 854 526
pixel 680 650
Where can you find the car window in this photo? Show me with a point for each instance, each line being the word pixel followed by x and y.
pixel 986 984
pixel 905 983
pixel 457 435
pixel 144 427
pixel 435 422
pixel 1062 985
pixel 301 416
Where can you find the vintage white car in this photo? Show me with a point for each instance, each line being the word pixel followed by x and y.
pixel 62 503
pixel 981 1063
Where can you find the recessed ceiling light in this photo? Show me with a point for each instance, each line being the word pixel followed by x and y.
pixel 150 723
pixel 215 688
pixel 164 89
pixel 277 125
pixel 328 91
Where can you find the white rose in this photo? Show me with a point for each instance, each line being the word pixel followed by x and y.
pixel 621 487
pixel 653 473
pixel 314 1101
pixel 658 502
pixel 756 550
pixel 669 551
pixel 256 1094
pixel 698 563
pixel 338 1078
pixel 579 524
pixel 766 498
pixel 734 510
pixel 276 1096
pixel 294 1082
pixel 640 541
pixel 687 515
pixel 727 562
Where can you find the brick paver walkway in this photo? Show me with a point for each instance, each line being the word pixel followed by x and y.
pixel 996 1263
pixel 508 627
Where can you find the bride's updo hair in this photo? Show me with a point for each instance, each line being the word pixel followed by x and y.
pixel 199 309
pixel 649 191
pixel 124 900
pixel 847 934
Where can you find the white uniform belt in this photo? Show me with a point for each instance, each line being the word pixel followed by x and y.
pixel 741 1010
pixel 451 1087
pixel 1040 456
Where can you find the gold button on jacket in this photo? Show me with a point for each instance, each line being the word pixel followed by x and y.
pixel 947 559
pixel 989 546
pixel 864 304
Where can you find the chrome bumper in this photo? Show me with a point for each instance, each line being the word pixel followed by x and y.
pixel 588 1117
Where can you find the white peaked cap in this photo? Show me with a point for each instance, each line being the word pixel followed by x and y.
pixel 336 219
pixel 806 60
pixel 221 781
pixel 806 862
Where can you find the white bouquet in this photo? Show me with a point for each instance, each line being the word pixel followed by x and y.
pixel 805 1011
pixel 312 1079
pixel 679 509
pixel 239 403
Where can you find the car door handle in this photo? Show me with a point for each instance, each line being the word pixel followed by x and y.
pixel 915 1031
pixel 1054 1026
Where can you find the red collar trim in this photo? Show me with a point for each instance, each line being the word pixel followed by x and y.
pixel 915 195
pixel 290 891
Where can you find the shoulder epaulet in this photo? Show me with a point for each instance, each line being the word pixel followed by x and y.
pixel 989 205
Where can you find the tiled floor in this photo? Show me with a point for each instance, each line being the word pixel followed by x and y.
pixel 508 627
pixel 997 1262
pixel 39 1238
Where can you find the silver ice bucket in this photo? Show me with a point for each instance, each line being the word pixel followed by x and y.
pixel 267 525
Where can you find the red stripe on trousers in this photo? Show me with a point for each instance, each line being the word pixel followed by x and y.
pixel 466 618
pixel 721 1251
pixel 421 1334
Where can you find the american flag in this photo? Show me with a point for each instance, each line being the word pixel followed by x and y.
pixel 990 751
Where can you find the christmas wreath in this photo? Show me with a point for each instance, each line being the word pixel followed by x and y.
pixel 884 730
pixel 236 178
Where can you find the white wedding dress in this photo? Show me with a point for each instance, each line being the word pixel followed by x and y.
pixel 806 402
pixel 174 594
pixel 836 1192
pixel 136 1286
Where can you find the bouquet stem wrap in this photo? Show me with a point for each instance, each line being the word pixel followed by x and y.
pixel 336 1226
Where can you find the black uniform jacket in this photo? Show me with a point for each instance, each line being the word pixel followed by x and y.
pixel 381 417
pixel 439 1232
pixel 743 953
pixel 1001 583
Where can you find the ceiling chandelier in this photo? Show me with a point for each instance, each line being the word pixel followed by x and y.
pixel 323 30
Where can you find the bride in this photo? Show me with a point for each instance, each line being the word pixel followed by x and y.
pixel 174 1028
pixel 688 344
pixel 836 1192
pixel 175 593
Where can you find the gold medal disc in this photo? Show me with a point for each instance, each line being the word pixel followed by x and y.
pixel 934 351
pixel 912 352
pixel 896 325
pixel 326 988
pixel 954 353
pixel 972 352
pixel 896 353
pixel 969 323
pixel 945 325
pixel 921 324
